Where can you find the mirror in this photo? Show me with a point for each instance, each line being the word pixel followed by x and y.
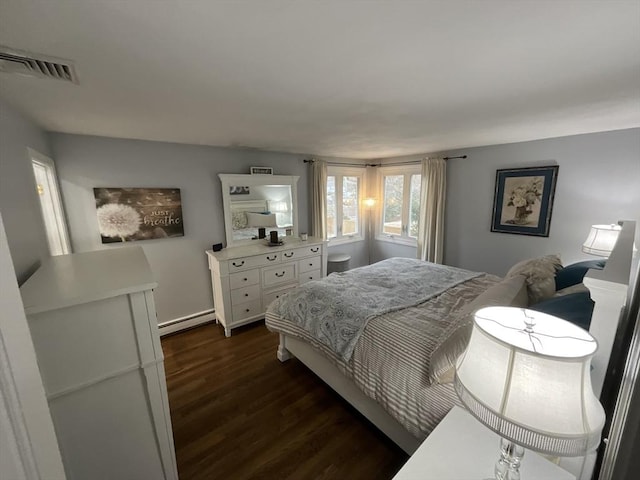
pixel 254 201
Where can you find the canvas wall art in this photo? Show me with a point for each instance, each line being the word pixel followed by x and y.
pixel 131 214
pixel 523 200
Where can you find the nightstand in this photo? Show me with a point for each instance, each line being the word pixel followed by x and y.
pixel 461 448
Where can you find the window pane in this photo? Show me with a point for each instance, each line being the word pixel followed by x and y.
pixel 350 205
pixel 392 215
pixel 414 206
pixel 331 207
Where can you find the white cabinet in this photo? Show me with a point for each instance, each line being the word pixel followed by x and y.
pixel 247 279
pixel 94 328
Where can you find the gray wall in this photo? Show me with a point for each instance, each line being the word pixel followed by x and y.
pixel 18 198
pixel 180 265
pixel 598 182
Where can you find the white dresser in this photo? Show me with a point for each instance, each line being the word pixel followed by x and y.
pixel 246 279
pixel 93 323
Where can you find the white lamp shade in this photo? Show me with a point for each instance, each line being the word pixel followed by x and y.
pixel 531 388
pixel 601 239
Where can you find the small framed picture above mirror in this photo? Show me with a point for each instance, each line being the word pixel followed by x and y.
pixel 261 170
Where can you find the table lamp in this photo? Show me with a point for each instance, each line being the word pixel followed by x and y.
pixel 526 376
pixel 601 240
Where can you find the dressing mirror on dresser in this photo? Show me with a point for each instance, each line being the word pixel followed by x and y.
pixel 252 202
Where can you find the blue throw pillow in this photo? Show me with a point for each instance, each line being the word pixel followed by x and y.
pixel 574 273
pixel 576 308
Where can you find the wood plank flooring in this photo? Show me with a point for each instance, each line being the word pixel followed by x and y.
pixel 239 413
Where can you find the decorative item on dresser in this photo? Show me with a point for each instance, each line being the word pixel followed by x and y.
pixel 94 328
pixel 247 279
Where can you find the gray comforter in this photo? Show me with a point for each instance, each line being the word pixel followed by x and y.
pixel 335 310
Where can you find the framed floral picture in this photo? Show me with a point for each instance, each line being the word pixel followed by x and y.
pixel 523 200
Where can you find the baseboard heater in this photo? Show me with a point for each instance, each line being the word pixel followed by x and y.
pixel 190 321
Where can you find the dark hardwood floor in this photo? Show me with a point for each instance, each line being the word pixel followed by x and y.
pixel 238 413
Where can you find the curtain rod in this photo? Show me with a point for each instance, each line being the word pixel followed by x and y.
pixel 311 160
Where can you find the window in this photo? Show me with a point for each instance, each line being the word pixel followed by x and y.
pixel 344 188
pixel 50 203
pixel 400 203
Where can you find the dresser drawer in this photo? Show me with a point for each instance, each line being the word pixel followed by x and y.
pixel 308 276
pixel 245 294
pixel 267 298
pixel 276 275
pixel 246 310
pixel 310 263
pixel 307 251
pixel 246 263
pixel 290 255
pixel 244 279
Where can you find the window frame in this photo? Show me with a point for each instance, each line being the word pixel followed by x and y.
pixel 407 171
pixel 339 172
pixel 56 225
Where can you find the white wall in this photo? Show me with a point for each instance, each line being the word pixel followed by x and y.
pixel 180 266
pixel 18 198
pixel 598 182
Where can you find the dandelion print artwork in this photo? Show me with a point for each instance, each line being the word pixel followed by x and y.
pixel 129 214
pixel 116 220
pixel 523 200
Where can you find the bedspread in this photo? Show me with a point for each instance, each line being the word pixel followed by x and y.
pixel 335 310
pixel 390 362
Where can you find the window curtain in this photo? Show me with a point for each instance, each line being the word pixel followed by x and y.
pixel 432 200
pixel 319 199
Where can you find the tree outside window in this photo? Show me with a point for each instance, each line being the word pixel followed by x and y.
pixel 401 202
pixel 344 186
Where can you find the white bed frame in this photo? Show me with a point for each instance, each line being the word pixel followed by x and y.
pixel 609 289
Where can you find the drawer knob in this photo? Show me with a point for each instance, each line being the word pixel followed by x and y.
pixel 271 259
pixel 315 250
pixel 245 279
pixel 310 278
pixel 238 264
pixel 289 255
pixel 246 294
pixel 280 274
pixel 311 264
pixel 247 310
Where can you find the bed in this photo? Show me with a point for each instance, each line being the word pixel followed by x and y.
pixel 396 373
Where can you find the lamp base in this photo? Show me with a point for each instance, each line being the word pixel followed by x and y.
pixel 508 465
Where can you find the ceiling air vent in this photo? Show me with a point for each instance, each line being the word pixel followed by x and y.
pixel 35 65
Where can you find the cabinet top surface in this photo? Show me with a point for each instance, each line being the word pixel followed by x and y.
pixel 260 248
pixel 68 280
pixel 460 436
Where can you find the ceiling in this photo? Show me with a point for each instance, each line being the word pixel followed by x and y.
pixel 346 78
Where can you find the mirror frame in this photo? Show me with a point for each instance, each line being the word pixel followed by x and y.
pixel 229 180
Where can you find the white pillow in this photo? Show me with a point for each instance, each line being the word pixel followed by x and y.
pixel 540 274
pixel 261 219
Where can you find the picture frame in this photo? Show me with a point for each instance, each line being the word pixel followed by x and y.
pixel 261 170
pixel 239 190
pixel 133 214
pixel 523 200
